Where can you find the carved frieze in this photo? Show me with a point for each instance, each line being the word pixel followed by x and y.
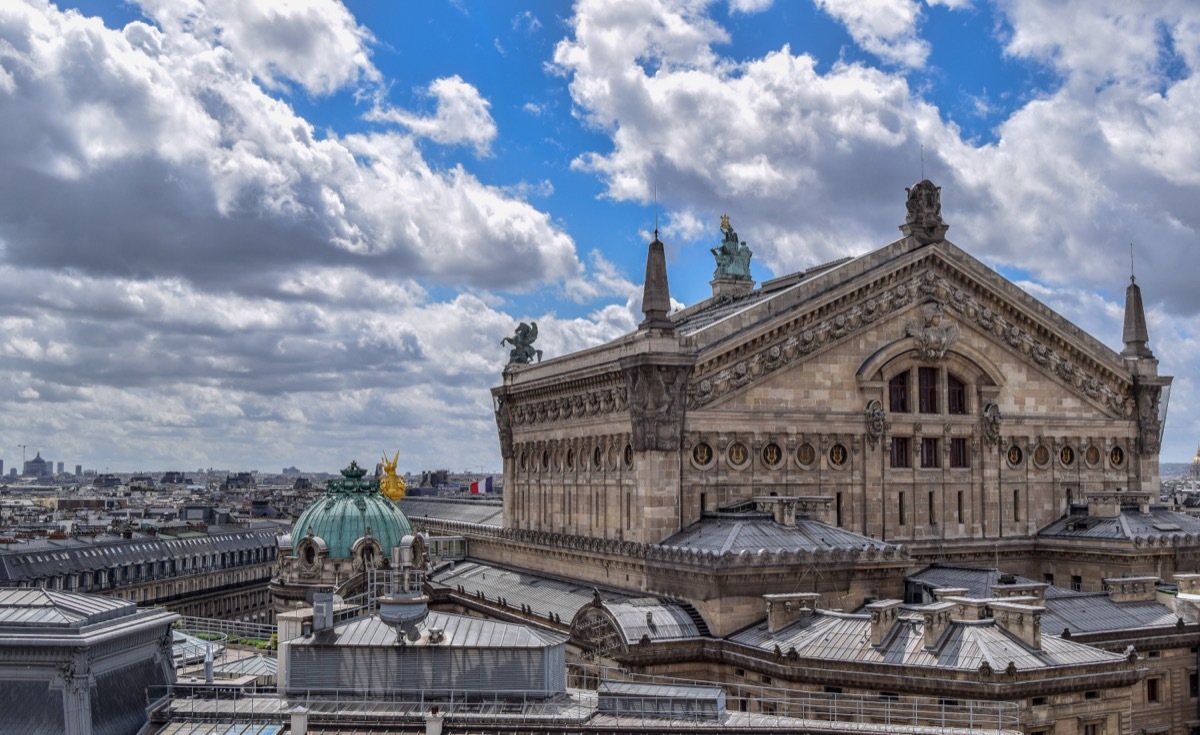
pixel 656 404
pixel 876 425
pixel 601 401
pixel 932 337
pixel 1147 397
pixel 933 333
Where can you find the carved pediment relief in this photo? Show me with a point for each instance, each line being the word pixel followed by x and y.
pixel 946 302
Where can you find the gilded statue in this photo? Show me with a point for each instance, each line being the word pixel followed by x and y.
pixel 391 484
pixel 523 351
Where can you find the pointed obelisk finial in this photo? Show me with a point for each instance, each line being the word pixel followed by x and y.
pixel 1136 334
pixel 656 295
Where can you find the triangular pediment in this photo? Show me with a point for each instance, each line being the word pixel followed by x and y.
pixel 899 298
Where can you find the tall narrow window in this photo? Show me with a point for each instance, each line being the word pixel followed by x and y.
pixel 900 452
pixel 929 452
pixel 956 395
pixel 932 513
pixel 898 393
pixel 1016 505
pixel 958 452
pixel 927 389
pixel 903 510
pixel 960 506
pixel 839 510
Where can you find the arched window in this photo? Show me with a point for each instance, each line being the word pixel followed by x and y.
pixel 898 393
pixel 956 395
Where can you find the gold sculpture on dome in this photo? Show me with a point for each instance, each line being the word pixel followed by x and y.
pixel 391 484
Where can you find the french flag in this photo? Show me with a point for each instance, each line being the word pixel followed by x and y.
pixel 481 486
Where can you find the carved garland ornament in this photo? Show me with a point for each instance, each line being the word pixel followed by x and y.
pixel 802 338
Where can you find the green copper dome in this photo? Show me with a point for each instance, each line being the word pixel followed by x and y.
pixel 352 505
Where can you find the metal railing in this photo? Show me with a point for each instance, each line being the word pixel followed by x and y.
pixel 769 709
pixel 834 707
pixel 234 630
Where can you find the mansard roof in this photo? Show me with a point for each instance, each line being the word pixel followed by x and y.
pixel 747 532
pixel 833 636
pixel 1159 526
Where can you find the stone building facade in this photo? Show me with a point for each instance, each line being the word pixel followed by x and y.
pixel 221 572
pixel 929 401
pixel 910 398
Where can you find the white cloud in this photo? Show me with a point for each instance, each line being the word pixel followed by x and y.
pixel 814 162
pixel 886 28
pixel 749 6
pixel 315 43
pixel 526 21
pixel 197 275
pixel 462 116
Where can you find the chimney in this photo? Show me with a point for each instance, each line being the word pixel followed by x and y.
pixel 1189 584
pixel 783 610
pixel 884 615
pixel 936 618
pixel 968 608
pixel 941 593
pixel 656 295
pixel 1022 621
pixel 1036 590
pixel 322 610
pixel 1105 504
pixel 1132 589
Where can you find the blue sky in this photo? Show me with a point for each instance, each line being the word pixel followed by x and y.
pixel 251 235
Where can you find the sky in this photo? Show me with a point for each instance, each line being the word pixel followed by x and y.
pixel 253 235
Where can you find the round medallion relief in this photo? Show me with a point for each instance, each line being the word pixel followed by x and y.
pixel 772 455
pixel 702 455
pixel 806 455
pixel 1066 455
pixel 1092 455
pixel 1041 455
pixel 628 456
pixel 838 455
pixel 1117 456
pixel 1015 456
pixel 737 454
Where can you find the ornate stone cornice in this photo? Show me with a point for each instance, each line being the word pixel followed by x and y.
pixel 928 280
pixel 608 398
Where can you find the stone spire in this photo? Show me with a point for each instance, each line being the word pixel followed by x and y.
pixel 1136 335
pixel 656 298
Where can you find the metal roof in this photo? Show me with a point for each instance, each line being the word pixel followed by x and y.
pixel 48 609
pixel 965 645
pixel 676 691
pixel 53 557
pixel 542 594
pixel 978 582
pixel 563 598
pixel 655 619
pixel 221 728
pixel 754 532
pixel 459 631
pixel 487 512
pixel 1093 612
pixel 251 666
pixel 1159 525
